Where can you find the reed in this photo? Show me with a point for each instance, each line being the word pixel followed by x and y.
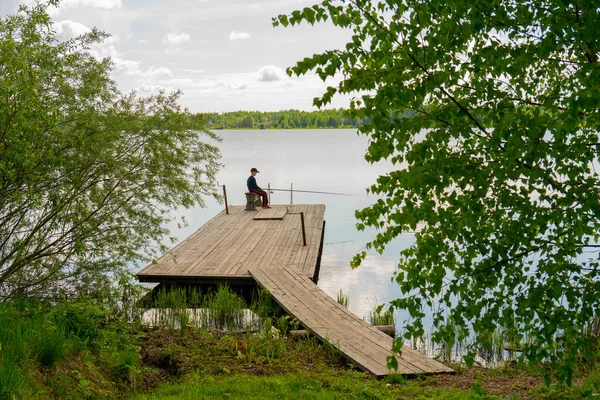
pixel 264 305
pixel 225 309
pixel 170 308
pixel 380 317
pixel 343 299
pixel 183 307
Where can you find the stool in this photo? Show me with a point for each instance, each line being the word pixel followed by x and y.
pixel 252 200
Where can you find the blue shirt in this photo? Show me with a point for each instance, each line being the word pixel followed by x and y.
pixel 252 184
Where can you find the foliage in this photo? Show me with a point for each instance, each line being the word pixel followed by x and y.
pixel 38 336
pixel 287 119
pixel 87 174
pixel 496 160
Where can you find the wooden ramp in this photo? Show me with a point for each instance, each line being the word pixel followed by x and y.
pixel 365 346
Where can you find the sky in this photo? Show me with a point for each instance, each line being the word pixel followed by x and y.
pixel 225 55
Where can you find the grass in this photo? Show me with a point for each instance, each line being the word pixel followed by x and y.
pixel 28 332
pixel 307 385
pixel 264 305
pixel 39 342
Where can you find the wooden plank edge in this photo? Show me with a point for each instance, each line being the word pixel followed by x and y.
pixel 208 279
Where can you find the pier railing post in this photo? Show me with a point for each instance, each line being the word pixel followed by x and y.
pixel 269 192
pixel 225 197
pixel 303 230
pixel 291 193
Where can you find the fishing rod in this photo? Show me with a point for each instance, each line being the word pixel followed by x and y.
pixel 314 191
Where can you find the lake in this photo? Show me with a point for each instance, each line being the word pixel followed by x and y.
pixel 315 160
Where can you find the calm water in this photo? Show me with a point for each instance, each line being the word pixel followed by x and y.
pixel 316 160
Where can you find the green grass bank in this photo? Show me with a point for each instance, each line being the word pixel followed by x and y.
pixel 99 349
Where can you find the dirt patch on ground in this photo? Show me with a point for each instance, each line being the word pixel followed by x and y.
pixel 504 384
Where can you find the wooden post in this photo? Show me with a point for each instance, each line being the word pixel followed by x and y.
pixel 225 197
pixel 291 193
pixel 303 231
pixel 269 192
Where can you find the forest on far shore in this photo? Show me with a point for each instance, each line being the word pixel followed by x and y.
pixel 287 119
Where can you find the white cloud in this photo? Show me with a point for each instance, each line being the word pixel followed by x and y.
pixel 68 29
pixel 65 4
pixel 176 38
pixel 238 35
pixel 128 67
pixel 153 72
pixel 142 41
pixel 194 71
pixel 112 40
pixel 101 4
pixel 152 88
pixel 270 73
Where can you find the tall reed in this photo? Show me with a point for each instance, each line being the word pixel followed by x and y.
pixel 380 317
pixel 225 309
pixel 264 305
pixel 182 307
pixel 343 298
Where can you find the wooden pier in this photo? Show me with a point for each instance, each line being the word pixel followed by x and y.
pixel 227 246
pixel 266 246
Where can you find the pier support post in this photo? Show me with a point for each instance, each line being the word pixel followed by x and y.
pixel 225 197
pixel 303 230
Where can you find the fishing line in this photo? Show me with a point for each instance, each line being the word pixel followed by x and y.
pixel 315 191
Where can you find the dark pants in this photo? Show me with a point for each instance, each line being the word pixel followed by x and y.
pixel 265 199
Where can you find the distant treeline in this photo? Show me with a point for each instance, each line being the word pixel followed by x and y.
pixel 287 119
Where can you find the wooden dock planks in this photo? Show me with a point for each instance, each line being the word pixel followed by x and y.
pixel 363 345
pixel 226 246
